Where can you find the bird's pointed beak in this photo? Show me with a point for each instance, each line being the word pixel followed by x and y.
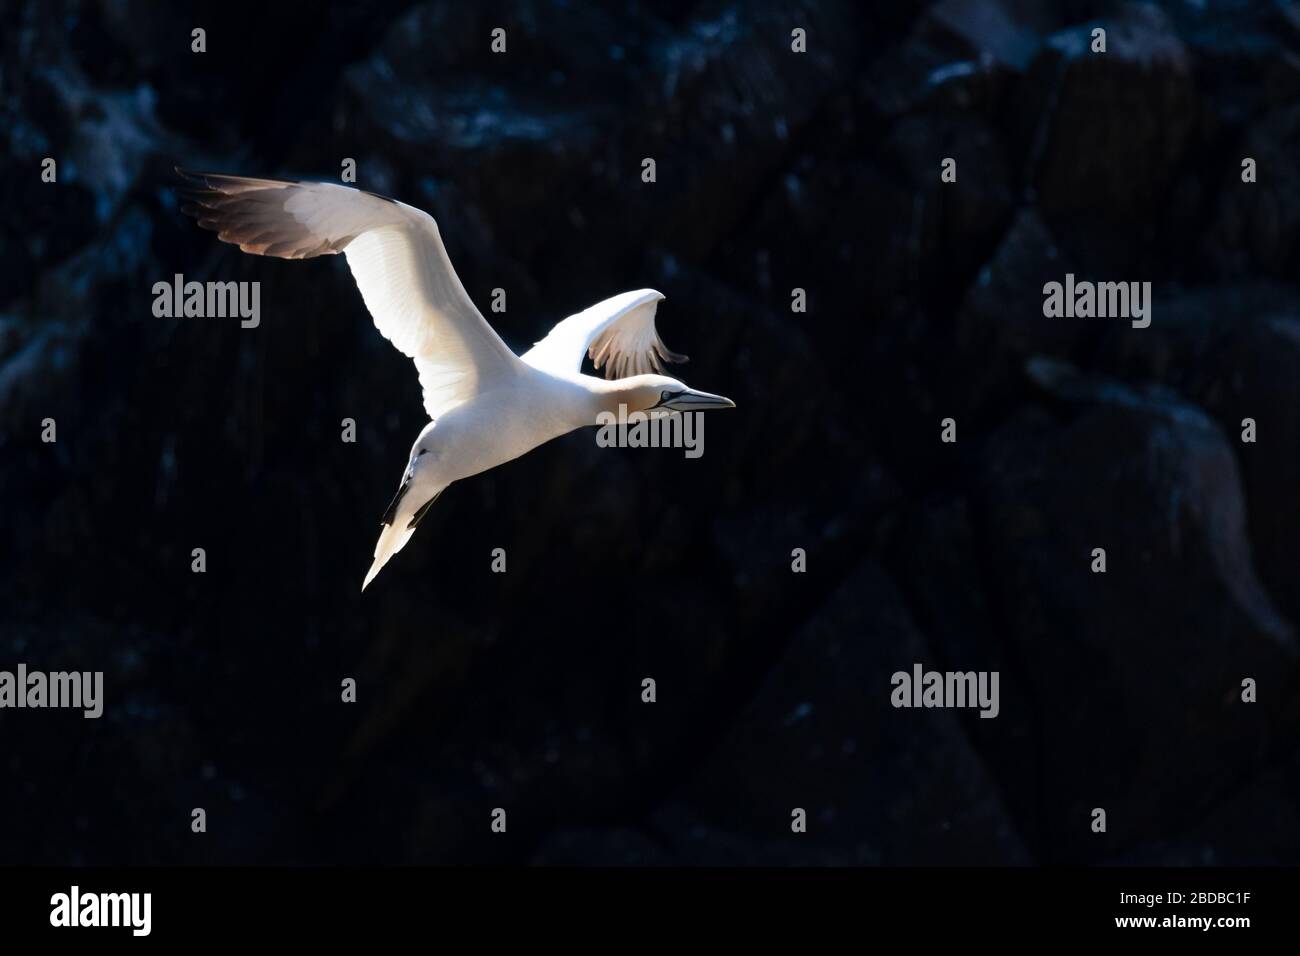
pixel 693 401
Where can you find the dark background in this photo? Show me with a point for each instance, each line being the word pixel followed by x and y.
pixel 775 171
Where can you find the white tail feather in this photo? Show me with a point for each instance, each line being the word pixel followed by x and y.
pixel 391 540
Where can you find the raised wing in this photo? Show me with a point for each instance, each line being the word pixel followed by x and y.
pixel 619 333
pixel 396 256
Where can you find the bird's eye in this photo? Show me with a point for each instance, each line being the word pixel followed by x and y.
pixel 664 396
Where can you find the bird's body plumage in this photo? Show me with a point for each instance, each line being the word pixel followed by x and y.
pixel 487 406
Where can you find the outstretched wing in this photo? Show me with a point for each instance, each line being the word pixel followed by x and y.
pixel 619 333
pixel 396 256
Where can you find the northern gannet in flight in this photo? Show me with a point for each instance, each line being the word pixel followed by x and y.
pixel 486 404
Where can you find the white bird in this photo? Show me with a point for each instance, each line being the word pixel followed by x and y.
pixel 486 405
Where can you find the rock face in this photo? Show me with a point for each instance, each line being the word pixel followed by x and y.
pixel 878 784
pixel 1146 467
pixel 1107 131
pixel 776 173
pixel 1259 230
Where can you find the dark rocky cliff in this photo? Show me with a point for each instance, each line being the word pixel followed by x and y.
pixel 774 171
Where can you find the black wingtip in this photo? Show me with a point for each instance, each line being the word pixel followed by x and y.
pixel 421 512
pixel 203 177
pixel 191 192
pixel 390 513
